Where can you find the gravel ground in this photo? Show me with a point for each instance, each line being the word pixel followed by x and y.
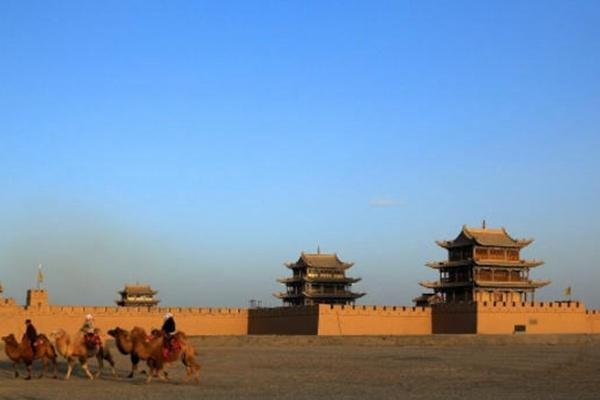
pixel 296 367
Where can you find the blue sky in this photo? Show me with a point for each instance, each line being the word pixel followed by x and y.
pixel 197 146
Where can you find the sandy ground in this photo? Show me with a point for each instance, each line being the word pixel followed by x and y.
pixel 432 367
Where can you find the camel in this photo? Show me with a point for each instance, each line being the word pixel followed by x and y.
pixel 125 346
pixel 150 348
pixel 76 350
pixel 18 352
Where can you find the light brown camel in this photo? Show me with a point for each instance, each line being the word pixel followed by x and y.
pixel 18 352
pixel 77 350
pixel 150 348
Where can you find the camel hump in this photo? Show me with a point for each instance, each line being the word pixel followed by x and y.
pixel 138 329
pixel 43 337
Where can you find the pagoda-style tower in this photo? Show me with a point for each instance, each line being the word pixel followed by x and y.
pixel 137 296
pixel 484 265
pixel 318 279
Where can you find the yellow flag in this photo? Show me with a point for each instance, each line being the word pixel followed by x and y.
pixel 567 291
pixel 40 275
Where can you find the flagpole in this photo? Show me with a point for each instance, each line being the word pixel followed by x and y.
pixel 40 277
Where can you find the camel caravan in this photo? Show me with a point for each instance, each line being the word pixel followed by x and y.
pixel 159 349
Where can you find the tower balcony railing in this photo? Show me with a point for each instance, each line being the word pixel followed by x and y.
pixel 327 292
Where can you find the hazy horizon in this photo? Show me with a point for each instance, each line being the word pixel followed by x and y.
pixel 198 147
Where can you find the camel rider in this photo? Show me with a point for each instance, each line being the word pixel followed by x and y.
pixel 88 325
pixel 168 329
pixel 88 330
pixel 31 334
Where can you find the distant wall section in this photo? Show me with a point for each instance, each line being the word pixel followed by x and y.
pixel 532 317
pixel 300 320
pixel 454 318
pixel 193 321
pixel 339 320
pixel 593 317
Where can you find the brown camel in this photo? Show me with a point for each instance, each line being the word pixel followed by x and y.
pixel 125 346
pixel 150 348
pixel 18 352
pixel 77 350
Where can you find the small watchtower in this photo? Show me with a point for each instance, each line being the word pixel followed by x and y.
pixel 37 298
pixel 137 296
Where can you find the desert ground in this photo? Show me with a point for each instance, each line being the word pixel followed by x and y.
pixel 303 367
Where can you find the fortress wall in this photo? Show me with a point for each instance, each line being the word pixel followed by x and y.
pixel 536 317
pixel 193 321
pixel 7 302
pixel 476 317
pixel 593 317
pixel 454 318
pixel 300 320
pixel 374 320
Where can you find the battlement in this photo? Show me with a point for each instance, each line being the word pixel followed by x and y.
pixel 548 306
pixel 154 311
pixel 284 311
pixel 8 302
pixel 374 309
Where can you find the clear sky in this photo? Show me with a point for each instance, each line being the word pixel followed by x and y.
pixel 197 146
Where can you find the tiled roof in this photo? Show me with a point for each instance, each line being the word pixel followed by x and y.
pixel 485 237
pixel 138 290
pixel 320 260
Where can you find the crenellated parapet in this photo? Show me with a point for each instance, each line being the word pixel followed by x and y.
pixel 389 310
pixel 532 306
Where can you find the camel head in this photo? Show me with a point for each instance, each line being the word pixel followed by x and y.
pixel 58 334
pixel 9 339
pixel 122 340
pixel 156 333
pixel 117 332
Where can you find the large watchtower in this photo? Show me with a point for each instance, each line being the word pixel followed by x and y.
pixel 484 265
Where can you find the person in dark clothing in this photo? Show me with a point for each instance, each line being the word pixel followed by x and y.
pixel 168 329
pixel 169 325
pixel 31 334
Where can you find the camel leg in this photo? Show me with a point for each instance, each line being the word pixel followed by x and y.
pixel 100 359
pixel 197 379
pixel 192 367
pixel 28 372
pixel 70 363
pixel 193 370
pixel 186 364
pixel 163 376
pixel 15 364
pixel 84 366
pixel 108 357
pixel 55 364
pixel 134 364
pixel 45 367
pixel 150 374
